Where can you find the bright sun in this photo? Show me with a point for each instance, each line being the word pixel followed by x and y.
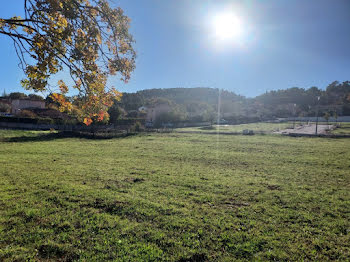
pixel 227 26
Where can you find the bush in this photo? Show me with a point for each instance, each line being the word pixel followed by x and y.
pixel 207 128
pixel 27 113
pixel 45 121
pixel 137 127
pixel 17 95
pixel 18 120
pixel 169 117
pixel 5 108
pixel 35 97
pixel 129 121
pixel 60 121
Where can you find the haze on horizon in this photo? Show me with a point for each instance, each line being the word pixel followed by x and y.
pixel 269 45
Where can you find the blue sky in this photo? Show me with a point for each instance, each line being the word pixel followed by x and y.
pixel 284 43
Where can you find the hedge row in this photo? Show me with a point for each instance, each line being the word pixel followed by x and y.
pixel 39 121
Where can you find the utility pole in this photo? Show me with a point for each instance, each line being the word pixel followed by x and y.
pixel 318 105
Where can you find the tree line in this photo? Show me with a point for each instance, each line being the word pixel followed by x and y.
pixel 202 104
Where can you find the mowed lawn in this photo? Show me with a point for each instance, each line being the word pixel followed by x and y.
pixel 343 129
pixel 256 127
pixel 174 197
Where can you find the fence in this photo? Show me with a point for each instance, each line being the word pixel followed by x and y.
pixel 64 125
pixel 320 119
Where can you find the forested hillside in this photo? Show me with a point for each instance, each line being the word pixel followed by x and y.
pixel 201 104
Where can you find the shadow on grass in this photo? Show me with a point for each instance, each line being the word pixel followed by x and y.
pixel 65 134
pixel 208 128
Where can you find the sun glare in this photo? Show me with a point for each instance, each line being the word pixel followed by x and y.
pixel 227 27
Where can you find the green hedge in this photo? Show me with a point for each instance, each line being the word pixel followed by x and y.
pixel 129 121
pixel 38 121
pixel 26 120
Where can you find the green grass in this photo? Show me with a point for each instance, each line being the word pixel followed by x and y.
pixel 261 127
pixel 343 129
pixel 19 133
pixel 174 197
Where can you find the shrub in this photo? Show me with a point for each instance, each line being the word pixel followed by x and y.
pixel 5 108
pixel 137 127
pixel 27 113
pixel 46 121
pixel 35 97
pixel 69 121
pixel 115 112
pixel 17 95
pixel 207 128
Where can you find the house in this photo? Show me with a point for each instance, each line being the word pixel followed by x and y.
pixel 19 104
pixel 155 111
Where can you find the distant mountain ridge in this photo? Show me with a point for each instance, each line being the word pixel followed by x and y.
pixel 181 95
pixel 294 101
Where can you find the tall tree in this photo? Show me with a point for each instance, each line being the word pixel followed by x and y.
pixel 89 39
pixel 326 116
pixel 335 116
pixel 17 95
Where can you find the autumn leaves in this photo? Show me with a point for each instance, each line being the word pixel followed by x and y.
pixel 88 39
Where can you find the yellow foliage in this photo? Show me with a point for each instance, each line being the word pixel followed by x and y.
pixel 87 121
pixel 63 87
pixel 76 34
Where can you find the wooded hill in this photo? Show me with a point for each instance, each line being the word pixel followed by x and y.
pixel 201 104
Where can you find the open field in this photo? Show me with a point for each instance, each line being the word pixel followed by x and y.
pixel 343 129
pixel 174 197
pixel 261 127
pixel 308 129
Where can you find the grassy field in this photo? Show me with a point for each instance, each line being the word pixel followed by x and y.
pixel 261 127
pixel 343 129
pixel 174 197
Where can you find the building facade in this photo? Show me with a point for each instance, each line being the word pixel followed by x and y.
pixel 19 104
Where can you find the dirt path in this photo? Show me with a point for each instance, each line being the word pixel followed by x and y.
pixel 307 129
